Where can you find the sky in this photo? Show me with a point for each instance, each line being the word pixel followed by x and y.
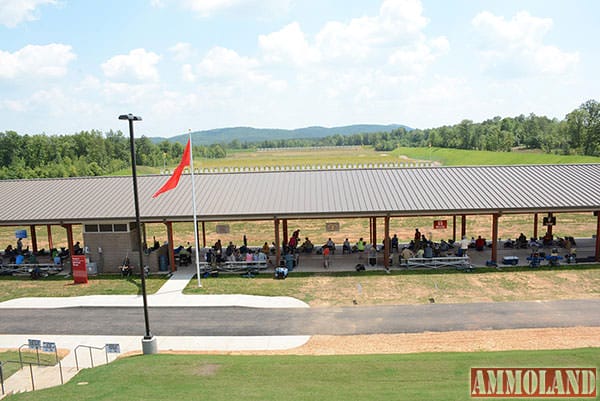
pixel 68 66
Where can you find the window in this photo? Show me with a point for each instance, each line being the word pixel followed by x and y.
pixel 106 228
pixel 120 228
pixel 91 228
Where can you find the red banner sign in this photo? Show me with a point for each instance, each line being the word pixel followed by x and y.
pixel 440 224
pixel 80 275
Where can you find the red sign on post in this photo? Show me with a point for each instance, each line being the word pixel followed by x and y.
pixel 440 224
pixel 80 275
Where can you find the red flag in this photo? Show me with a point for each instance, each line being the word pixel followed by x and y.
pixel 174 180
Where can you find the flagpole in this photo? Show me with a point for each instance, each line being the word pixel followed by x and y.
pixel 197 244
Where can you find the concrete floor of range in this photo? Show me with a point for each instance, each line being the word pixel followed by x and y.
pixel 171 295
pixel 347 262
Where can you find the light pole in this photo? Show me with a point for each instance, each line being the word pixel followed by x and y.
pixel 149 342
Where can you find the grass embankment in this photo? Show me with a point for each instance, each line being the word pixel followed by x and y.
pixel 415 287
pixel 60 286
pixel 459 157
pixel 8 368
pixel 439 376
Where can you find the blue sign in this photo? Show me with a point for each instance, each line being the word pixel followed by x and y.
pixel 113 348
pixel 48 347
pixel 21 234
pixel 34 344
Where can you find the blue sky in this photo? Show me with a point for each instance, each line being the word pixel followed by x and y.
pixel 67 66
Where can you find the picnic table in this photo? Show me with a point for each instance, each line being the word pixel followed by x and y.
pixel 31 269
pixel 244 266
pixel 457 262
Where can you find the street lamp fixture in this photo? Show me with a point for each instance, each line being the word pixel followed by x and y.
pixel 149 342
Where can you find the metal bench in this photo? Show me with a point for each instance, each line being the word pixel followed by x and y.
pixel 243 266
pixel 457 262
pixel 44 269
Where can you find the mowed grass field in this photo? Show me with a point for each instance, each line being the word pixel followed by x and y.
pixel 60 286
pixel 426 376
pixel 415 287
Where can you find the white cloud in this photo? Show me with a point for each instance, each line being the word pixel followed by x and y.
pixel 288 44
pixel 187 73
pixel 34 62
pixel 392 39
pixel 138 65
pixel 13 12
pixel 398 23
pixel 220 62
pixel 182 51
pixel 414 60
pixel 516 47
pixel 208 8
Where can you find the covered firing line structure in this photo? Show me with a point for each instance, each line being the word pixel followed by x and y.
pixel 103 204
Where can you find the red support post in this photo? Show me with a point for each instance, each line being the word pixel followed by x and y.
pixel 277 244
pixel 535 225
pixel 495 217
pixel 203 235
pixel 598 236
pixel 386 243
pixel 34 245
pixel 463 225
pixel 454 228
pixel 171 247
pixel 69 228
pixel 285 231
pixel 374 242
pixel 50 242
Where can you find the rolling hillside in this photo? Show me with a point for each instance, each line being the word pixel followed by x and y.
pixel 249 134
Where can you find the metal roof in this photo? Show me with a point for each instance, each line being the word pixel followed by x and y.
pixel 307 194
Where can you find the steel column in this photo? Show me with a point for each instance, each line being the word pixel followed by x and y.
pixel 277 244
pixel 598 236
pixel 69 228
pixel 34 246
pixel 374 242
pixel 50 242
pixel 495 217
pixel 454 228
pixel 169 225
pixel 386 243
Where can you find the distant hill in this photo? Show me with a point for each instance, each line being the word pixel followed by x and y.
pixel 249 134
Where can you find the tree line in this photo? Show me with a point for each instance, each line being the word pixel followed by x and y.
pixel 578 133
pixel 93 153
pixel 87 153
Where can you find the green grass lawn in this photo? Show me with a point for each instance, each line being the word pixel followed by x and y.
pixel 427 376
pixel 60 286
pixel 458 157
pixel 416 286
